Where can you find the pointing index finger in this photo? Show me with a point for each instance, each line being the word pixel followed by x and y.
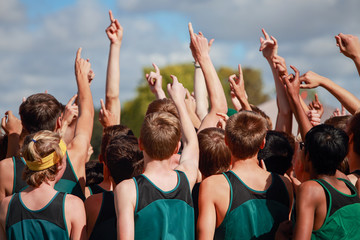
pixel 78 53
pixel 111 16
pixel 191 30
pixel 157 70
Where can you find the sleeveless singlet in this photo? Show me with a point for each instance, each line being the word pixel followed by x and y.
pixel 163 215
pixel 95 189
pixel 105 225
pixel 46 223
pixel 69 182
pixel 342 219
pixel 253 214
pixel 19 184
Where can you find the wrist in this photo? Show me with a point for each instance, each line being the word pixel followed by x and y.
pixel 196 64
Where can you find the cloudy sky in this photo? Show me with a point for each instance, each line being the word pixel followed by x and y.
pixel 39 39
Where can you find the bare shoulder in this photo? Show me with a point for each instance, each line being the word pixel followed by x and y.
pixel 126 186
pixel 4 208
pixel 215 185
pixel 352 178
pixel 310 190
pixel 73 205
pixel 5 167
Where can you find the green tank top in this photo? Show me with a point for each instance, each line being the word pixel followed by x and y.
pixel 253 214
pixel 343 213
pixel 46 223
pixel 163 215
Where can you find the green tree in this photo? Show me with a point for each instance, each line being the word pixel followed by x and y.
pixel 133 111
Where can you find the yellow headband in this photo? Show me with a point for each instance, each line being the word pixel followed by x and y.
pixel 48 161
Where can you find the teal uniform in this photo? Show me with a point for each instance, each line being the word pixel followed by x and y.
pixel 343 213
pixel 254 214
pixel 105 225
pixel 19 184
pixel 69 182
pixel 163 215
pixel 46 223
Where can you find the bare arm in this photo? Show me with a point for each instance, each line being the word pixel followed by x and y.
pixel 347 99
pixel 75 215
pixel 3 212
pixel 154 80
pixel 125 200
pixel 189 159
pixel 215 90
pixel 115 35
pixel 293 87
pixel 6 177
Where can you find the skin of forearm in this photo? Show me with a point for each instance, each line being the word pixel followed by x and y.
pixel 347 99
pixel 213 85
pixel 202 104
pixel 13 145
pixel 113 74
pixel 300 115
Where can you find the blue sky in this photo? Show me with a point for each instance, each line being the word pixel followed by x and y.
pixel 40 38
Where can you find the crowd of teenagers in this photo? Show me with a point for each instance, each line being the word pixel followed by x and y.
pixel 197 170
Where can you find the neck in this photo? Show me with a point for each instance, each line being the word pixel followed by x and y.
pixel 251 162
pixel 43 186
pixel 156 166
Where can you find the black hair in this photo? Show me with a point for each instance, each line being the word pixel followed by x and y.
pixel 327 147
pixel 277 153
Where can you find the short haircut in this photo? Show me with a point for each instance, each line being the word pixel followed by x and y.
pixel 160 134
pixel 277 153
pixel 94 172
pixel 263 114
pixel 215 156
pixel 354 128
pixel 338 121
pixel 37 146
pixel 110 132
pixel 327 147
pixel 40 112
pixel 124 158
pixel 245 132
pixel 163 105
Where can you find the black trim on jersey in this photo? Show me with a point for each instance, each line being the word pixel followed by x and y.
pixel 338 199
pixel 148 192
pixel 52 212
pixel 95 189
pixel 357 171
pixel 242 193
pixel 19 184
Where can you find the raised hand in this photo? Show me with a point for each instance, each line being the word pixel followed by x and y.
pixel 82 66
pixel 11 124
pixel 193 50
pixel 176 90
pixel 280 65
pixel 268 46
pixel 199 44
pixel 237 86
pixel 310 80
pixel 71 111
pixel 190 103
pixel 316 105
pixel 338 113
pixel 106 118
pixel 154 80
pixel 222 120
pixel 292 83
pixel 115 30
pixel 349 45
pixel 91 76
pixel 314 117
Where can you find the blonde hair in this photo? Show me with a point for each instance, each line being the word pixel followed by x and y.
pixel 37 146
pixel 160 134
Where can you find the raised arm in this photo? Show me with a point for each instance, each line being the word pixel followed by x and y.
pixel 347 99
pixel 237 86
pixel 112 102
pixel 189 159
pixel 78 148
pixel 201 96
pixel 154 80
pixel 349 45
pixel 199 44
pixel 293 87
pixel 70 115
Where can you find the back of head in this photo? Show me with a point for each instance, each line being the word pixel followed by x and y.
pixel 245 133
pixel 160 134
pixel 94 170
pixel 40 112
pixel 36 149
pixel 354 129
pixel 163 105
pixel 277 153
pixel 263 114
pixel 338 121
pixel 215 156
pixel 326 147
pixel 124 158
pixel 110 132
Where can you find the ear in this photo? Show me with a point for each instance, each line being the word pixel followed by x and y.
pixel 141 145
pixel 177 148
pixel 263 144
pixel 58 123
